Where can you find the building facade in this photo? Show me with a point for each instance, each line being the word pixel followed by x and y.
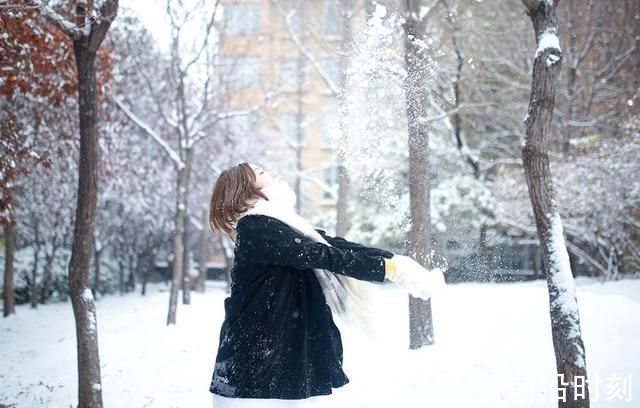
pixel 288 57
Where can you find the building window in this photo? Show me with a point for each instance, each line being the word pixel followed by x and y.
pixel 241 19
pixel 289 128
pixel 330 179
pixel 332 22
pixel 241 72
pixel 289 75
pixel 330 129
pixel 332 67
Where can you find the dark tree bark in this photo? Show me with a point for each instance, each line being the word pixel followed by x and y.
pixel 134 261
pixel 145 266
pixel 9 300
pixel 81 297
pixel 565 319
pixel 96 271
pixel 89 392
pixel 420 321
pixel 34 272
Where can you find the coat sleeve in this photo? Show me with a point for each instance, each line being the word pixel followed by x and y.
pixel 267 240
pixel 342 243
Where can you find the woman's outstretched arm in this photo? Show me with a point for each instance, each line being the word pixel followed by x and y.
pixel 264 239
pixel 342 243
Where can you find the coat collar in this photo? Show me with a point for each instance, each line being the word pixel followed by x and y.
pixel 281 205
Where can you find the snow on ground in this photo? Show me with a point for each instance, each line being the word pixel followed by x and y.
pixel 493 349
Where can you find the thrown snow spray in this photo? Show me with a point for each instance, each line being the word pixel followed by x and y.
pixel 374 144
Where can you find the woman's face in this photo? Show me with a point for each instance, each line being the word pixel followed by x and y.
pixel 263 177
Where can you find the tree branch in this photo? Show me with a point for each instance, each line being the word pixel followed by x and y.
pixel 49 14
pixel 108 12
pixel 175 158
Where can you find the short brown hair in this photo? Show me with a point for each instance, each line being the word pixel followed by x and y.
pixel 231 192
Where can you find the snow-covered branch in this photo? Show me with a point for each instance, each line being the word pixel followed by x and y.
pixel 55 18
pixel 206 36
pixel 173 155
pixel 200 134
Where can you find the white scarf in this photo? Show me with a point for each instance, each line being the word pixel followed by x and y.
pixel 347 297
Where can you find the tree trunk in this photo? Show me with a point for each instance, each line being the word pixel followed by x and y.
pixel 34 272
pixel 178 248
pixel 203 254
pixel 342 206
pixel 89 382
pixel 415 87
pixel 121 266
pixel 144 278
pixel 47 276
pixel 483 253
pixel 131 278
pixel 186 275
pixel 565 319
pixel 227 252
pixel 9 252
pixel 342 215
pixel 96 270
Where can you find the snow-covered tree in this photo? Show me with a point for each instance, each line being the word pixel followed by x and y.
pixel 563 305
pixel 180 101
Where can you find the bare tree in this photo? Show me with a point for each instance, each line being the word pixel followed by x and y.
pixel 190 108
pixel 9 303
pixel 87 35
pixel 416 94
pixel 565 319
pixel 33 297
pixel 599 53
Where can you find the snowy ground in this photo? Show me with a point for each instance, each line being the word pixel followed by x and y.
pixel 493 349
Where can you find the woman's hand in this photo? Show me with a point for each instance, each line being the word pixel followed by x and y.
pixel 417 280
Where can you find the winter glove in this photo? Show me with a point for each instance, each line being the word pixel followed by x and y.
pixel 417 280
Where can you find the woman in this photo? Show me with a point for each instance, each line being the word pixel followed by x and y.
pixel 279 346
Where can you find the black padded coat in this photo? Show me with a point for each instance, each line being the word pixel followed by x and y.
pixel 278 338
